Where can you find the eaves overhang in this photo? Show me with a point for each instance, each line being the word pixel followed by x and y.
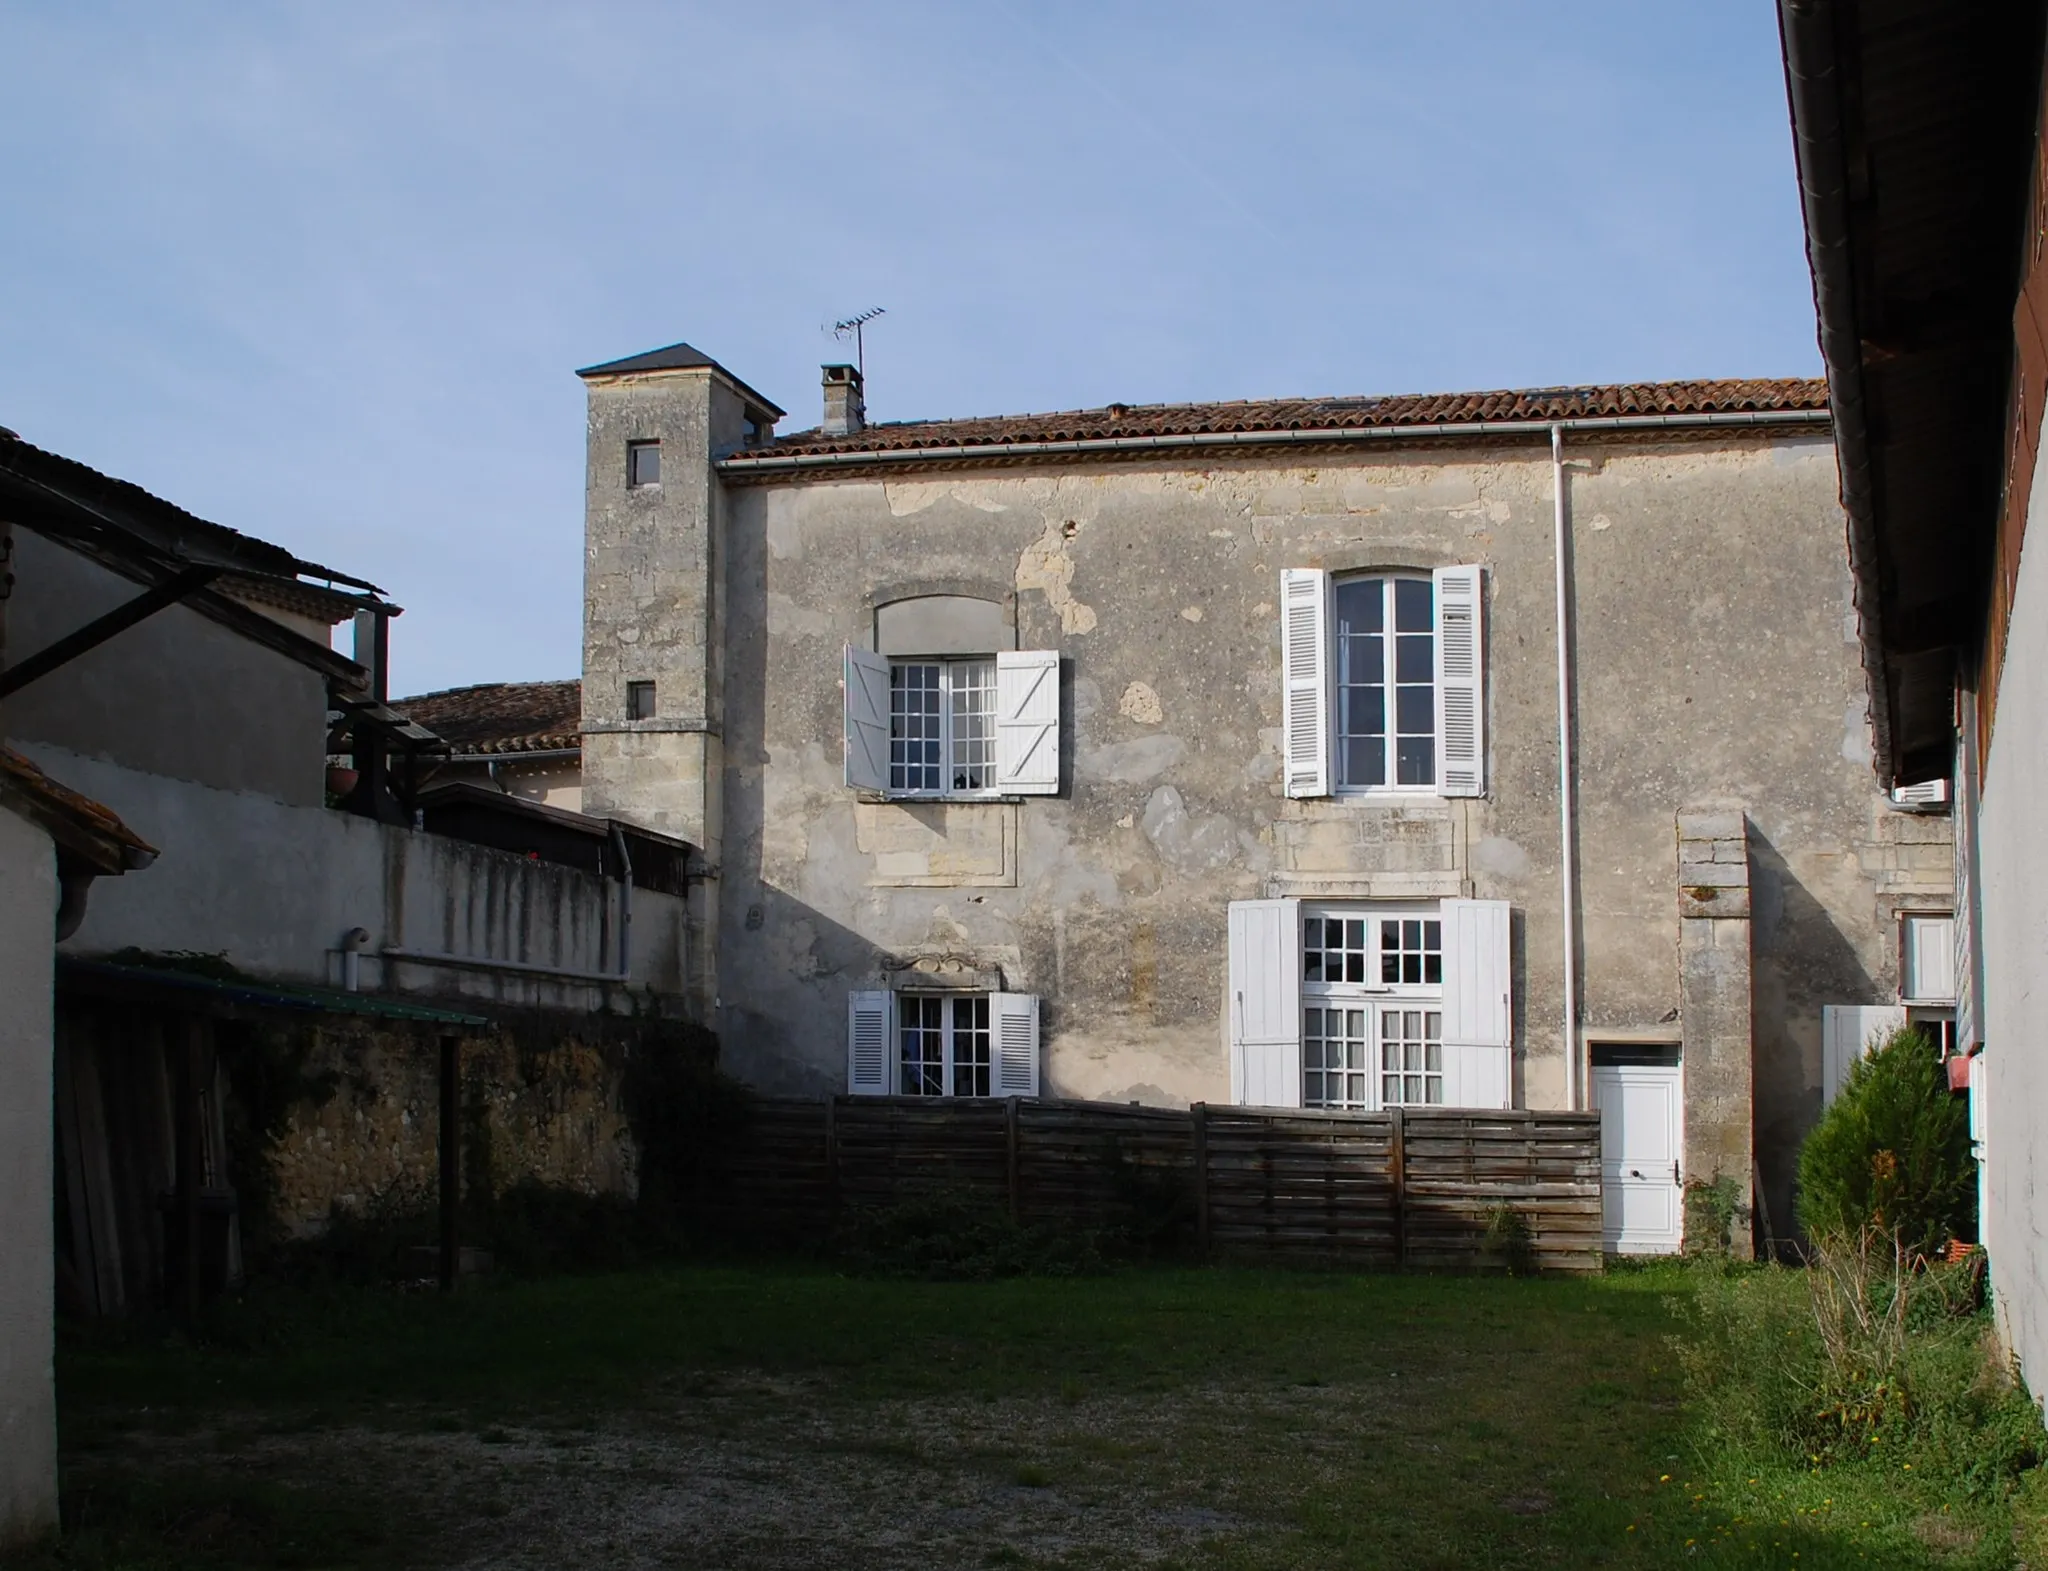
pixel 1912 128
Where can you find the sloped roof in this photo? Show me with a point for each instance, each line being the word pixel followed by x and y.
pixel 677 357
pixel 497 718
pixel 48 485
pixel 1138 421
pixel 77 823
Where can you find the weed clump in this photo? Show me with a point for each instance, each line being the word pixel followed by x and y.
pixel 1889 1353
pixel 1507 1245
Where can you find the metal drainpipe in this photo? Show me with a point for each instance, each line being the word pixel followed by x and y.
pixel 1567 807
pixel 625 904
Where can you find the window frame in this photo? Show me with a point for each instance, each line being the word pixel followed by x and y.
pixel 949 1033
pixel 1388 578
pixel 1376 998
pixel 634 449
pixel 948 666
pixel 636 689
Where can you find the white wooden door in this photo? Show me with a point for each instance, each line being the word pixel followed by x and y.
pixel 1642 1133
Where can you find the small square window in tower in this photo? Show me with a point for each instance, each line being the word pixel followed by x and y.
pixel 643 464
pixel 639 700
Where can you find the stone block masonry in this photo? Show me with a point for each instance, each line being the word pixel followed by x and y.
pixel 1715 1011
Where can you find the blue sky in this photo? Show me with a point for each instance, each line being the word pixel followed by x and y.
pixel 322 273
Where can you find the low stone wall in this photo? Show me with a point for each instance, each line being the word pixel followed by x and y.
pixel 541 1100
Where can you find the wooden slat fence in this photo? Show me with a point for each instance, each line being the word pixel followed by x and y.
pixel 1410 1188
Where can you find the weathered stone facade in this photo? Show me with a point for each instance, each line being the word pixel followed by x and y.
pixel 1715 659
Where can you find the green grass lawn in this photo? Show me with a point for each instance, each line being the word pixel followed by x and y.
pixel 785 1417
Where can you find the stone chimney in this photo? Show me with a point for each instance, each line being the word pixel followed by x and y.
pixel 845 410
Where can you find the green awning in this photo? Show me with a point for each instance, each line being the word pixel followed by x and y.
pixel 236 997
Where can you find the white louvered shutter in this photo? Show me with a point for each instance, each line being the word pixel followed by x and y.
pixel 1264 1003
pixel 1028 722
pixel 1305 679
pixel 1015 1019
pixel 1460 683
pixel 1479 1013
pixel 1928 959
pixel 867 720
pixel 1846 1034
pixel 870 1043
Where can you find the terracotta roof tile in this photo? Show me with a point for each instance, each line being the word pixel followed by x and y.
pixel 76 822
pixel 1309 414
pixel 501 717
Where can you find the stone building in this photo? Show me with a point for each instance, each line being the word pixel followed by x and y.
pixel 1233 752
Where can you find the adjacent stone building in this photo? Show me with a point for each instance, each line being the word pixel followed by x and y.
pixel 1233 752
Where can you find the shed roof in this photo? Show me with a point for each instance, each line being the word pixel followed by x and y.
pixel 143 537
pixel 1914 127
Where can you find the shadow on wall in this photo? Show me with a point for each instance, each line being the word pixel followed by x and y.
pixel 1799 961
pixel 755 922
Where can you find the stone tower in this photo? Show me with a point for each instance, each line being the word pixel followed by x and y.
pixel 653 593
pixel 652 612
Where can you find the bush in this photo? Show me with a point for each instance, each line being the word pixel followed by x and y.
pixel 950 1237
pixel 1918 1374
pixel 1892 1153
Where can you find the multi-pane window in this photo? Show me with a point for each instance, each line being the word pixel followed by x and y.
pixel 942 727
pixel 1372 1023
pixel 1411 1057
pixel 1385 725
pixel 1336 1057
pixel 1380 950
pixel 944 1044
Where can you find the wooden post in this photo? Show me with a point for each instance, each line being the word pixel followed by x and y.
pixel 451 1160
pixel 1013 1158
pixel 1201 1112
pixel 191 1083
pixel 832 1150
pixel 1397 1176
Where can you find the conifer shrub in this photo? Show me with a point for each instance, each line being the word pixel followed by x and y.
pixel 1892 1153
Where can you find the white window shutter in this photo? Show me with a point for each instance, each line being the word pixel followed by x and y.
pixel 1264 1003
pixel 1015 1018
pixel 870 1043
pixel 1305 679
pixel 1479 1012
pixel 1846 1034
pixel 867 720
pixel 1460 683
pixel 1028 722
pixel 1928 969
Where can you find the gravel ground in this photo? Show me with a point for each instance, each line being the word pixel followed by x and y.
pixel 760 1474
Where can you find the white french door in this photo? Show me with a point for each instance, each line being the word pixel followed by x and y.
pixel 1364 1057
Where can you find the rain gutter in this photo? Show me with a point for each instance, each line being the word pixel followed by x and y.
pixel 1813 86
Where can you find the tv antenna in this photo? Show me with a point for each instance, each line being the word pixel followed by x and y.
pixel 853 325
